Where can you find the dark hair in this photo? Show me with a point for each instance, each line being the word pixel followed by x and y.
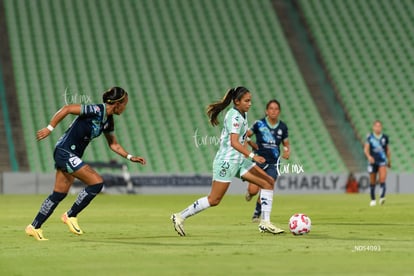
pixel 233 94
pixel 114 95
pixel 273 101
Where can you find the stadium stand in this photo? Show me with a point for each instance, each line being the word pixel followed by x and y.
pixel 174 57
pixel 367 46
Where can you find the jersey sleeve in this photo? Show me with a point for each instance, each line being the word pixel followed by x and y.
pixel 367 139
pixel 91 110
pixel 285 134
pixel 254 127
pixel 235 124
pixel 109 126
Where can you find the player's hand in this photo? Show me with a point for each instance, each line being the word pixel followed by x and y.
pixel 259 159
pixel 371 160
pixel 286 153
pixel 389 164
pixel 42 133
pixel 138 159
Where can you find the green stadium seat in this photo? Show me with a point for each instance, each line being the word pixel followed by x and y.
pixel 173 58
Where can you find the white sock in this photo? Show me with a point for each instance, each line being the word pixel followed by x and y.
pixel 198 206
pixel 266 196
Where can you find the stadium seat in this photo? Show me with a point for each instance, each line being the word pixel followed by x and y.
pixel 367 48
pixel 174 58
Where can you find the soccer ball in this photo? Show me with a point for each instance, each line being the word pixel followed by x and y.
pixel 299 224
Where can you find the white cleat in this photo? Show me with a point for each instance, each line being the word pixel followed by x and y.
pixel 373 203
pixel 178 222
pixel 382 201
pixel 268 227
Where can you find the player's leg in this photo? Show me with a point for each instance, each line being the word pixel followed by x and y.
pixel 218 190
pixel 257 176
pixel 223 172
pixel 252 190
pixel 63 182
pixel 94 184
pixel 382 176
pixel 372 183
pixel 372 170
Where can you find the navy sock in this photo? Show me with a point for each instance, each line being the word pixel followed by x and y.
pixel 47 208
pixel 84 198
pixel 383 189
pixel 372 187
pixel 258 210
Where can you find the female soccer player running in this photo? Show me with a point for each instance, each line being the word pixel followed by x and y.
pixel 91 121
pixel 231 161
pixel 378 153
pixel 270 133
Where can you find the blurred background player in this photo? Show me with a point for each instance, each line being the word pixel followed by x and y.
pixel 378 153
pixel 92 120
pixel 270 133
pixel 231 160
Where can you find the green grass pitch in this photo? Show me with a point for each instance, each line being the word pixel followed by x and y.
pixel 133 235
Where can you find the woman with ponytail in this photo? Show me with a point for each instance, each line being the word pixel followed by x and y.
pixel 91 121
pixel 233 159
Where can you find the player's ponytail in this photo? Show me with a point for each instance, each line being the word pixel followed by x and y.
pixel 214 109
pixel 114 95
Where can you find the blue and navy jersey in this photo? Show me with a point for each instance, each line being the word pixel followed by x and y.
pixel 91 122
pixel 378 147
pixel 269 139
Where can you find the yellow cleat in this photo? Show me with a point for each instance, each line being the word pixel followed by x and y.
pixel 267 226
pixel 36 233
pixel 72 223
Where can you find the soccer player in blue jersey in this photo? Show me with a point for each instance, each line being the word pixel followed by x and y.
pixel 270 133
pixel 233 159
pixel 91 121
pixel 377 151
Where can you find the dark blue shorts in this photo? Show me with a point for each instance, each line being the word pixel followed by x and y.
pixel 373 168
pixel 67 161
pixel 270 169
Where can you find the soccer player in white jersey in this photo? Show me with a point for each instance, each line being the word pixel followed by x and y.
pixel 233 159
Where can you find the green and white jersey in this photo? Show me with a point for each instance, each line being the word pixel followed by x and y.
pixel 234 122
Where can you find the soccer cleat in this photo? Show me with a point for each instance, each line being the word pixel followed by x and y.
pixel 72 223
pixel 267 226
pixel 373 203
pixel 248 196
pixel 36 233
pixel 178 224
pixel 382 201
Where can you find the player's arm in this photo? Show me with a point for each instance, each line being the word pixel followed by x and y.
pixel 250 142
pixel 286 149
pixel 74 109
pixel 117 148
pixel 234 141
pixel 367 154
pixel 388 152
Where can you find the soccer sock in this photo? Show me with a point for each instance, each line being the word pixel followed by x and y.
pixel 372 188
pixel 198 206
pixel 266 197
pixel 84 198
pixel 258 210
pixel 47 208
pixel 383 189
